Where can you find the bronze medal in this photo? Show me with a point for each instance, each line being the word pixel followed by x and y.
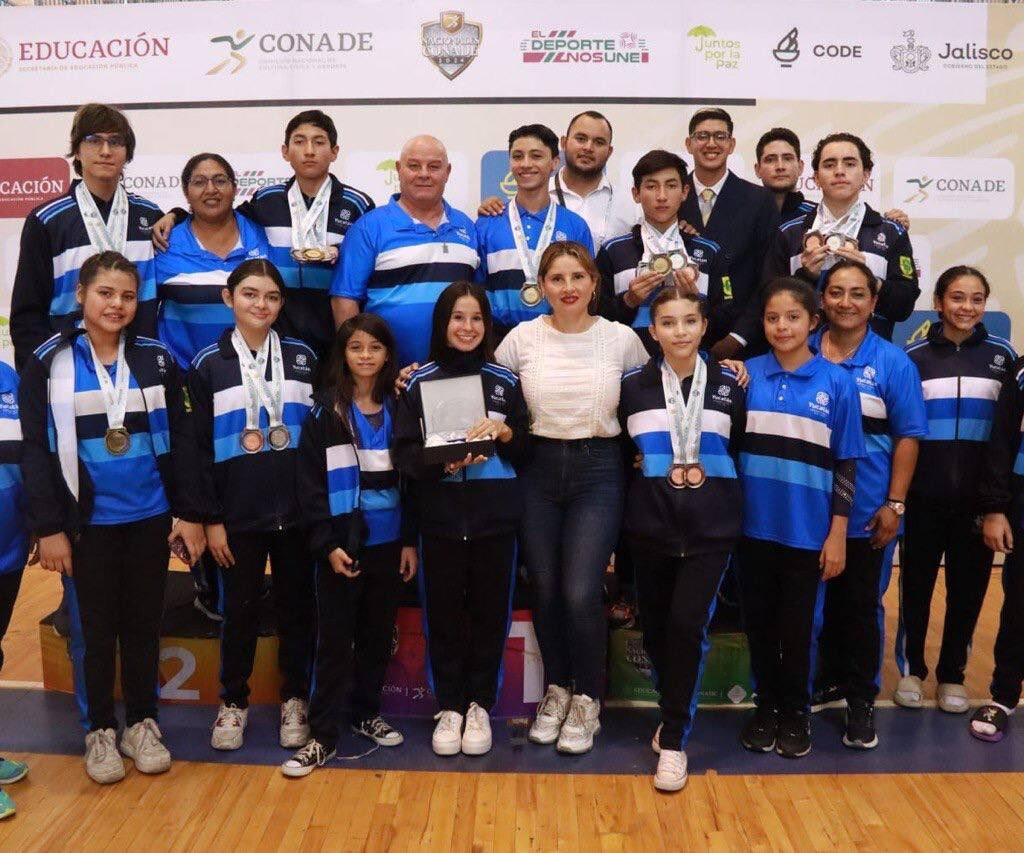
pixel 677 476
pixel 117 441
pixel 812 240
pixel 530 294
pixel 252 440
pixel 280 438
pixel 695 476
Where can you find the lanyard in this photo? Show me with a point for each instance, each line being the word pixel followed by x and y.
pixel 656 243
pixel 684 416
pixel 115 392
pixel 309 226
pixel 257 390
pixel 530 260
pixel 111 235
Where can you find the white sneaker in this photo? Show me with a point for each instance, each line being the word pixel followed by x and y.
pixel 671 772
pixel 953 698
pixel 580 726
pixel 909 692
pixel 229 727
pixel 143 744
pixel 476 739
pixel 294 723
pixel 656 740
pixel 103 762
pixel 550 715
pixel 447 739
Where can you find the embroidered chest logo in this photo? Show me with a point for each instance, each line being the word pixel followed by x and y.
pixel 722 394
pixel 819 404
pixel 498 395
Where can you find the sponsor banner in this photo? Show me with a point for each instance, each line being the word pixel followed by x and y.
pixel 954 187
pixel 915 327
pixel 27 182
pixel 774 51
pixel 178 52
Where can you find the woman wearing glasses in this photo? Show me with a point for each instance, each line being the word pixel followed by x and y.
pixel 201 252
pixel 95 215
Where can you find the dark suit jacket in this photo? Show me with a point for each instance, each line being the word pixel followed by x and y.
pixel 743 222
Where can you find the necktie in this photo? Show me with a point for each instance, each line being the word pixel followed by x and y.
pixel 707 198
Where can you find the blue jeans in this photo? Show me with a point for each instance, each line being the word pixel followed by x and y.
pixel 574 499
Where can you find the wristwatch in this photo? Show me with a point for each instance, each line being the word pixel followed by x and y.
pixel 898 507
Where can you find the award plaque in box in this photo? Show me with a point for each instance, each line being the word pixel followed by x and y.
pixel 450 408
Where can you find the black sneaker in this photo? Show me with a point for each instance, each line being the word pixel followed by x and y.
pixel 860 725
pixel 379 732
pixel 794 738
pixel 760 731
pixel 307 759
pixel 829 696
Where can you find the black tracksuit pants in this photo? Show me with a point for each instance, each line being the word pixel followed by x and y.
pixel 10 583
pixel 120 573
pixel 1009 650
pixel 849 648
pixel 932 530
pixel 359 610
pixel 677 598
pixel 467 588
pixel 294 608
pixel 782 596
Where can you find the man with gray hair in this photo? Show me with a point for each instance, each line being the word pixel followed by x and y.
pixel 397 259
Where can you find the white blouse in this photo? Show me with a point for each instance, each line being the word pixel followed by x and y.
pixel 571 381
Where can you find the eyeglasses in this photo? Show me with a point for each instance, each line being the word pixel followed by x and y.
pixel 199 182
pixel 98 140
pixel 706 136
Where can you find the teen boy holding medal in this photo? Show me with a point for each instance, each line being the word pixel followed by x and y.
pixel 511 244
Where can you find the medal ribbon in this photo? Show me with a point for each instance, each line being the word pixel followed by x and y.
pixel 684 416
pixel 656 243
pixel 257 390
pixel 848 225
pixel 309 226
pixel 111 235
pixel 529 259
pixel 115 392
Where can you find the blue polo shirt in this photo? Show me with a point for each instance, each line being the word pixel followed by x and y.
pixel 500 271
pixel 13 531
pixel 799 423
pixel 396 267
pixel 189 281
pixel 892 406
pixel 127 488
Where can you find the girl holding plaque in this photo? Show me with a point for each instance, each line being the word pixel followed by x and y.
pixel 251 392
pixel 104 426
pixel 469 512
pixel 359 534
pixel 798 466
pixel 682 519
pixel 571 363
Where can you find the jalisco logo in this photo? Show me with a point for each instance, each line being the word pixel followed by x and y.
pixel 973 55
pixel 910 57
pixel 567 46
pixel 317 45
pixel 718 52
pixel 451 43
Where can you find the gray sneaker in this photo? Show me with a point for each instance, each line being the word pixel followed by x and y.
pixel 550 715
pixel 580 726
pixel 102 760
pixel 294 731
pixel 143 744
pixel 229 729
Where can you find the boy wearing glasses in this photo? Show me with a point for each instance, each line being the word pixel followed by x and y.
pixel 739 216
pixel 95 215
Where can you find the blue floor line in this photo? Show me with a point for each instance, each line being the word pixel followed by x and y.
pixel 925 741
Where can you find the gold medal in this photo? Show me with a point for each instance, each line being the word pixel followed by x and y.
pixel 117 441
pixel 252 440
pixel 660 264
pixel 530 294
pixel 315 254
pixel 280 438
